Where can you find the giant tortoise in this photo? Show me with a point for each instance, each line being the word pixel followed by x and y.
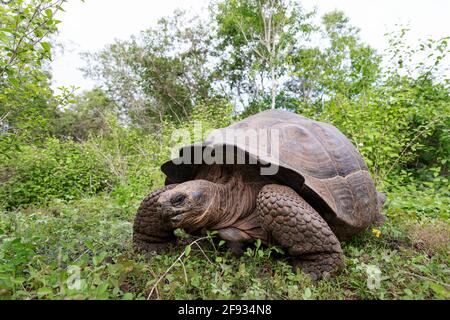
pixel 319 194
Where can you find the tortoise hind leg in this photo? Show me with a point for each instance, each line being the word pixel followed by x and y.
pixel 150 232
pixel 295 225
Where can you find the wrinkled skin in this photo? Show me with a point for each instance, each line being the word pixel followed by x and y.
pixel 242 206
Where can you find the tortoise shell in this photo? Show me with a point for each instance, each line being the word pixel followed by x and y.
pixel 314 158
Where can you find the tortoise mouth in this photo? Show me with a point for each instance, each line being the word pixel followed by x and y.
pixel 172 215
pixel 177 217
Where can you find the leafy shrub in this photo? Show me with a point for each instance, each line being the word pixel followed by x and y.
pixel 64 170
pixel 420 201
pixel 401 124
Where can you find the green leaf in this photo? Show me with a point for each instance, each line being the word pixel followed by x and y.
pixel 14 82
pixel 49 13
pixel 44 291
pixel 261 253
pixel 187 251
pixel 46 46
pixel 128 296
pixel 19 280
pixel 439 290
pixel 307 294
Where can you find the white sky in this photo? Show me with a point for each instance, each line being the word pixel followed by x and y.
pixel 91 25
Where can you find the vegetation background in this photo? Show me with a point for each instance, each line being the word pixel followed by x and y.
pixel 75 166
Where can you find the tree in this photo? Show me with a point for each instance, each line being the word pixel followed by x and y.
pixel 26 100
pixel 342 65
pixel 162 73
pixel 24 28
pixel 258 36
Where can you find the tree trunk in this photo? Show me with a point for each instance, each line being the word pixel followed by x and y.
pixel 274 86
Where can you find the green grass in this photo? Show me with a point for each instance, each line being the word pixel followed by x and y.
pixel 43 251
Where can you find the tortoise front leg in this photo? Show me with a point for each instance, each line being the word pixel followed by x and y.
pixel 235 239
pixel 294 224
pixel 150 231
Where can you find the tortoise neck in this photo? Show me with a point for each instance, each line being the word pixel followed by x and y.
pixel 236 198
pixel 233 193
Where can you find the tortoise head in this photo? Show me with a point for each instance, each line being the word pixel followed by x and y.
pixel 190 205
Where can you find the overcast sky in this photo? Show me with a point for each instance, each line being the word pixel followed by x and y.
pixel 91 25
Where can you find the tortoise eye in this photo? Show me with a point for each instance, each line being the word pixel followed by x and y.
pixel 178 200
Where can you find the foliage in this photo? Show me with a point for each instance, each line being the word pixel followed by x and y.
pixel 25 24
pixel 26 101
pixel 418 78
pixel 63 170
pixel 420 200
pixel 86 115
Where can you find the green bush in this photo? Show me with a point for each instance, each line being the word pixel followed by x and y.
pixel 64 170
pixel 401 125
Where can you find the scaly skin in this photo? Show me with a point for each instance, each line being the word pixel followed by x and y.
pixel 150 231
pixel 294 224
